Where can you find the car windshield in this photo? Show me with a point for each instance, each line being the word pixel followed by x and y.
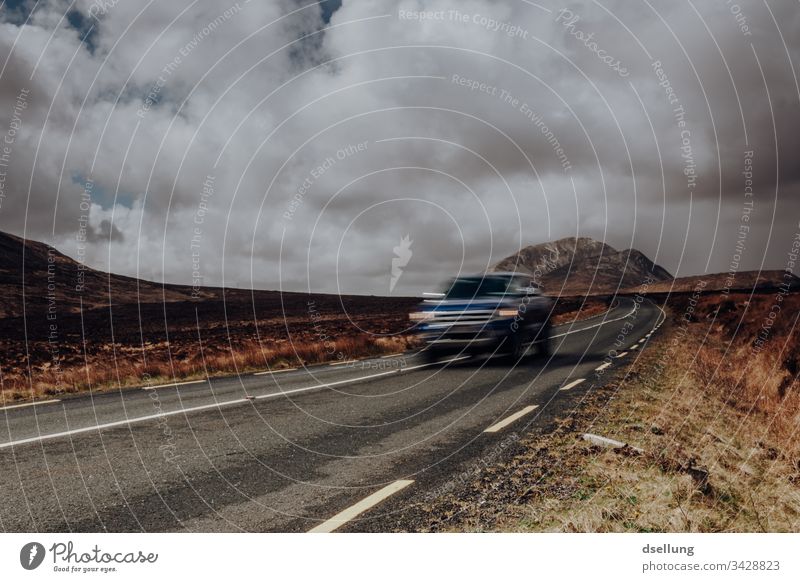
pixel 469 287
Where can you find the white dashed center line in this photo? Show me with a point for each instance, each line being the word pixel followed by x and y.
pixel 27 404
pixel 516 416
pixel 354 511
pixel 572 384
pixel 602 367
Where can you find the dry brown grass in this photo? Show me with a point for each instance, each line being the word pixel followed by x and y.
pixel 707 466
pixel 718 422
pixel 124 366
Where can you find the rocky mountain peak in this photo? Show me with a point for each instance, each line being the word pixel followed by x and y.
pixel 582 264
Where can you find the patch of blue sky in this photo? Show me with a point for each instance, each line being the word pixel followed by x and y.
pixel 102 196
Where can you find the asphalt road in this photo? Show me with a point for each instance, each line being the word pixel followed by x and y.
pixel 325 447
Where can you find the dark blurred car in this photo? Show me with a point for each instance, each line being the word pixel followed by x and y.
pixel 502 313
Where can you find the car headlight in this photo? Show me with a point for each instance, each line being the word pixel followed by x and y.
pixel 507 312
pixel 421 315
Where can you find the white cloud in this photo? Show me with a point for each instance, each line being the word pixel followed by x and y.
pixel 222 87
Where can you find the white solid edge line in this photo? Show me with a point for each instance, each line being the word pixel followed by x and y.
pixel 173 384
pixel 274 371
pixel 202 407
pixel 354 511
pixel 342 362
pixel 393 355
pixel 572 384
pixel 516 416
pixel 602 367
pixel 27 404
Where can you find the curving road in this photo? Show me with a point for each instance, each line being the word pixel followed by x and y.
pixel 320 448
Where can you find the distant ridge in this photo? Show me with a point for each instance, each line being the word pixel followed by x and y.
pixel 743 281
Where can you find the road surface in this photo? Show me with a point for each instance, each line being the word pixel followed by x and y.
pixel 318 449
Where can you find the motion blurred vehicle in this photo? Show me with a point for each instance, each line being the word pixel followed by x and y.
pixel 497 313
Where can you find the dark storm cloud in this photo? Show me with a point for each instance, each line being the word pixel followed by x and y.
pixel 231 131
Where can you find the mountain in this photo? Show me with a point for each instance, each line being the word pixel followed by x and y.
pixel 553 255
pixel 583 265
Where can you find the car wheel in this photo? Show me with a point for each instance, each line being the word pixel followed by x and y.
pixel 544 345
pixel 430 355
pixel 515 347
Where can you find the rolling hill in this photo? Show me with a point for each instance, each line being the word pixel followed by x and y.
pixel 44 276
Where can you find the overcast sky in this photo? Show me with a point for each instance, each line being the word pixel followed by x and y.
pixel 291 144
